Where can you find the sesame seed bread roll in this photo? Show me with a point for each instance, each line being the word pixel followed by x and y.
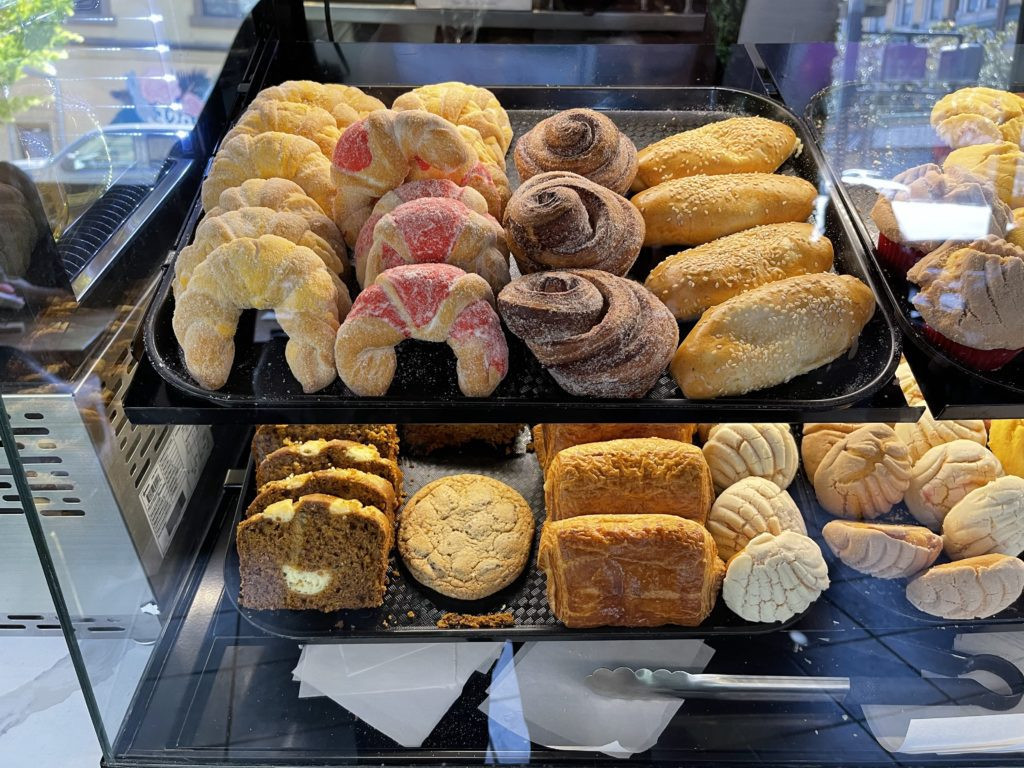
pixel 736 145
pixel 699 209
pixel 770 334
pixel 693 280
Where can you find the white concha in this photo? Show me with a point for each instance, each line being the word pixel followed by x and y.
pixel 944 475
pixel 975 588
pixel 748 508
pixel 818 440
pixel 927 433
pixel 989 520
pixel 880 550
pixel 775 577
pixel 864 474
pixel 736 451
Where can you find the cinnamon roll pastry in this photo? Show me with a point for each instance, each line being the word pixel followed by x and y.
pixel 560 220
pixel 597 334
pixel 579 141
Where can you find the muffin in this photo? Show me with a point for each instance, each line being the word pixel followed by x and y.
pixel 903 232
pixel 972 301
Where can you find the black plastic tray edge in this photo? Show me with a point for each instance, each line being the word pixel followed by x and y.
pixel 514 633
pixel 907 328
pixel 163 290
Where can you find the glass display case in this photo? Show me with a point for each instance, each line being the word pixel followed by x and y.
pixel 709 452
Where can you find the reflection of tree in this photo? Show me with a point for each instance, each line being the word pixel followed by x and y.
pixel 32 37
pixel 156 98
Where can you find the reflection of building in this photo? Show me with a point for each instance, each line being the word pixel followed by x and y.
pixel 922 15
pixel 141 61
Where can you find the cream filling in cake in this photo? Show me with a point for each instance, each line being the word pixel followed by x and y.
pixel 306 582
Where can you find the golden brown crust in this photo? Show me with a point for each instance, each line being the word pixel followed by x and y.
pixel 266 156
pixel 424 439
pixel 466 536
pixel 346 103
pixel 772 333
pixel 629 570
pixel 270 437
pixel 560 220
pixel 312 455
pixel 268 272
pixel 306 120
pixel 975 115
pixel 579 141
pixel 646 475
pixel 699 278
pixel 736 145
pixel 549 439
pixel 699 209
pixel 369 490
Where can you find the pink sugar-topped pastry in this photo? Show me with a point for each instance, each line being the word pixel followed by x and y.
pixel 429 302
pixel 411 191
pixel 437 230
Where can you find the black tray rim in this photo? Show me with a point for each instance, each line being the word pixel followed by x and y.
pixel 900 312
pixel 515 633
pixel 641 407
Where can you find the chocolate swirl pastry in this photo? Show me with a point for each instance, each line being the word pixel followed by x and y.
pixel 580 141
pixel 599 335
pixel 561 220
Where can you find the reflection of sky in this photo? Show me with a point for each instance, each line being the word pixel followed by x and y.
pixel 927 220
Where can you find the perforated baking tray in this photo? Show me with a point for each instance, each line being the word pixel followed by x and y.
pixel 261 387
pixel 411 611
pixel 868 132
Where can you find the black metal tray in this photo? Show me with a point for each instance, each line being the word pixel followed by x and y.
pixel 853 123
pixel 411 611
pixel 852 589
pixel 261 388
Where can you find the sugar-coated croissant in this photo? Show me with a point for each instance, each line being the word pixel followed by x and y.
pixel 376 154
pixel 346 103
pixel 215 231
pixel 437 230
pixel 268 272
pixel 429 302
pixel 267 156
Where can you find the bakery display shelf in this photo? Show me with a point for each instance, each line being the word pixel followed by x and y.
pixel 869 133
pixel 850 588
pixel 411 611
pixel 859 384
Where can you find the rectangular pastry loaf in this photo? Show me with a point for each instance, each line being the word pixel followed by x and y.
pixel 629 570
pixel 549 439
pixel 643 475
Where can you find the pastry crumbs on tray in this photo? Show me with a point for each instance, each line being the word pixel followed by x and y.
pixel 471 621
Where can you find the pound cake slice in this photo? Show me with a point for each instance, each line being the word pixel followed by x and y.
pixel 298 458
pixel 270 437
pixel 318 553
pixel 369 490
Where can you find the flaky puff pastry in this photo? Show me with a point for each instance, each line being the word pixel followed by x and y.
pixel 928 432
pixel 310 122
pixel 647 475
pixel 864 474
pixel 464 104
pixel 379 152
pixel 267 156
pixel 549 439
pixel 774 578
pixel 880 550
pixel 749 508
pixel 974 115
pixel 736 451
pixel 735 145
pixel 629 570
pixel 988 520
pixel 772 334
pixel 346 103
pixel 268 272
pixel 945 475
pixel 215 231
pixel 975 588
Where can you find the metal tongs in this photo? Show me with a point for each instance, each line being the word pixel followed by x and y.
pixel 627 683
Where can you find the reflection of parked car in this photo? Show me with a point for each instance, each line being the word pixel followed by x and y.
pixel 119 154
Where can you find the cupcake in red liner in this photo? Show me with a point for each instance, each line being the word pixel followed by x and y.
pixel 972 301
pixel 926 206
